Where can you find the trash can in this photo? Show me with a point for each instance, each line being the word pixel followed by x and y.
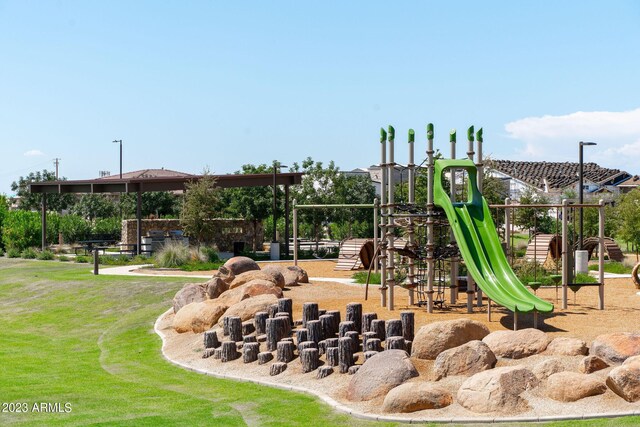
pixel 238 248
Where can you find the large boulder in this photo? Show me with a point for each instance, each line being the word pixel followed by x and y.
pixel 251 289
pixel 191 292
pixel 215 287
pixel 271 275
pixel 624 380
pixel 225 274
pixel 434 338
pixel 198 316
pixel 617 347
pixel 416 396
pixel 592 364
pixel 546 368
pixel 564 346
pixel 292 275
pixel 497 390
pixel 466 359
pixel 240 264
pixel 572 386
pixel 379 374
pixel 517 344
pixel 247 309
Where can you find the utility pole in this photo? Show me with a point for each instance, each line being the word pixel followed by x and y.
pixel 56 162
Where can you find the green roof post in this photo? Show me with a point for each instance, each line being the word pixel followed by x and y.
pixel 392 133
pixel 412 135
pixel 452 135
pixel 383 135
pixel 430 131
pixel 479 135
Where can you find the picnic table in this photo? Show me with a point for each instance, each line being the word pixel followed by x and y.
pixel 94 244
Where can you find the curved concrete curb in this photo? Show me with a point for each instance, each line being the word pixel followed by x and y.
pixel 390 418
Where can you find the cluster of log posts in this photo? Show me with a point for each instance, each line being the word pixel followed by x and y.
pixel 319 333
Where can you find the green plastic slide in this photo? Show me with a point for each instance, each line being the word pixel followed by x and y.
pixel 479 243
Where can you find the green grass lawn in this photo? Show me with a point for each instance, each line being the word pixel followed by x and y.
pixel 71 337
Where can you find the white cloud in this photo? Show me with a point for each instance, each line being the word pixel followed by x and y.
pixel 555 138
pixel 33 153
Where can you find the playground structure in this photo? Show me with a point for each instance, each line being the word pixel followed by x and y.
pixel 457 224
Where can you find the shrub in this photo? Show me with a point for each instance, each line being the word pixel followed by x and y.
pixel 13 253
pixel 46 255
pixel 111 227
pixel 173 255
pixel 64 258
pixel 29 253
pixel 21 230
pixel 361 277
pixel 210 254
pixel 82 259
pixel 613 267
pixel 74 228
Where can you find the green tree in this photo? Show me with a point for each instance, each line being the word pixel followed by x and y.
pixel 628 211
pixel 354 222
pixel 92 206
pixel 4 211
pixel 157 203
pixel 317 188
pixel 252 203
pixel 199 207
pixel 33 201
pixel 533 219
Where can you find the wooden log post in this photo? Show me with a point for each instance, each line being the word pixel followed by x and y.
pixel 393 328
pixel 331 342
pixel 276 329
pixel 229 351
pixel 322 347
pixel 208 352
pixel 332 356
pixel 277 368
pixel 309 312
pixel 353 369
pixel 264 357
pixel 217 353
pixel 324 371
pixel 354 314
pixel 306 344
pixel 355 340
pixel 225 326
pixel 315 331
pixel 250 352
pixel 285 351
pixel 367 318
pixel 234 326
pixel 321 312
pixel 249 338
pixel 373 344
pixel 259 321
pixel 272 310
pixel 345 327
pixel 408 325
pixel 286 316
pixel 302 335
pixel 367 336
pixel 329 327
pixel 345 354
pixel 211 339
pixel 369 354
pixel 310 359
pixel 407 346
pixel 395 343
pixel 286 305
pixel 377 326
pixel 248 328
pixel 336 317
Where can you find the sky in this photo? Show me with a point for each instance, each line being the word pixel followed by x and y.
pixel 189 85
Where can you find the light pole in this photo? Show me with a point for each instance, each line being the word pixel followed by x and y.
pixel 581 189
pixel 115 141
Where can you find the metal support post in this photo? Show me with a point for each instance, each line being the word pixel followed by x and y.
pixel 411 232
pixel 430 240
pixel 470 154
pixel 453 274
pixel 565 253
pixel 295 233
pixel 601 254
pixel 43 219
pixel 383 224
pixel 376 237
pixel 391 280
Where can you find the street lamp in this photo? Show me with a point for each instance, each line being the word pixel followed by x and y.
pixel 581 188
pixel 115 141
pixel 276 167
